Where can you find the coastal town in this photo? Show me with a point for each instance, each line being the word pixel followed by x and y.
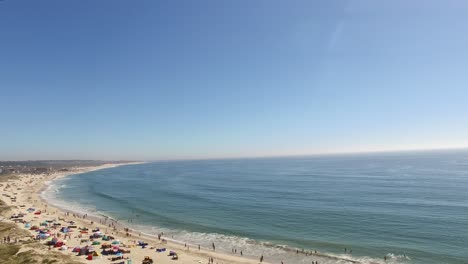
pixel 47 167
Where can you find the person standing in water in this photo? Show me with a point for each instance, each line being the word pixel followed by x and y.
pixel 214 248
pixel 261 259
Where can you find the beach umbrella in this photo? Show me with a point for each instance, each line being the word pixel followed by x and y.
pixel 119 254
pixel 96 243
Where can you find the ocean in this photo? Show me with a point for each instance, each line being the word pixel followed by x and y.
pixel 410 207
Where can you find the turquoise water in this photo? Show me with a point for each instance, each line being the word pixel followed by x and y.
pixel 410 207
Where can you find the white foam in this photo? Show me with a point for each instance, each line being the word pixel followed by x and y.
pixel 250 248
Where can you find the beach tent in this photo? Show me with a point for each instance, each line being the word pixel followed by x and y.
pixel 115 242
pixel 58 244
pixel 96 243
pixel 97 234
pixel 84 251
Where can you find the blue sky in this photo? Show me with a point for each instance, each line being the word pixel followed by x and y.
pixel 199 79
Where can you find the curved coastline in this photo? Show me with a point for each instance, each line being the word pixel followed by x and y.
pixel 98 216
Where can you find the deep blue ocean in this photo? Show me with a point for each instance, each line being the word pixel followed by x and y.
pixel 410 207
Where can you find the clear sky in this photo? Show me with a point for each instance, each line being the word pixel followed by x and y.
pixel 114 79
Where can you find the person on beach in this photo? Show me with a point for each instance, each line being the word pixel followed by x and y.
pixel 261 259
pixel 241 253
pixel 198 247
pixel 214 248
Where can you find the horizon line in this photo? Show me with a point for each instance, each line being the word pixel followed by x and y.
pixel 338 153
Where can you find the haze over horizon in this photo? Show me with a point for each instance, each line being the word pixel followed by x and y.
pixel 155 80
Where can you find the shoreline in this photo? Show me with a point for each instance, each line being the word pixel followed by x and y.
pixel 30 187
pixel 96 219
pixel 97 216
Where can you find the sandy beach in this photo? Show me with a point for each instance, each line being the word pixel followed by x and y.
pixel 26 188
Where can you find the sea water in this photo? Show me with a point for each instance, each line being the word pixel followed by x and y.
pixel 409 207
